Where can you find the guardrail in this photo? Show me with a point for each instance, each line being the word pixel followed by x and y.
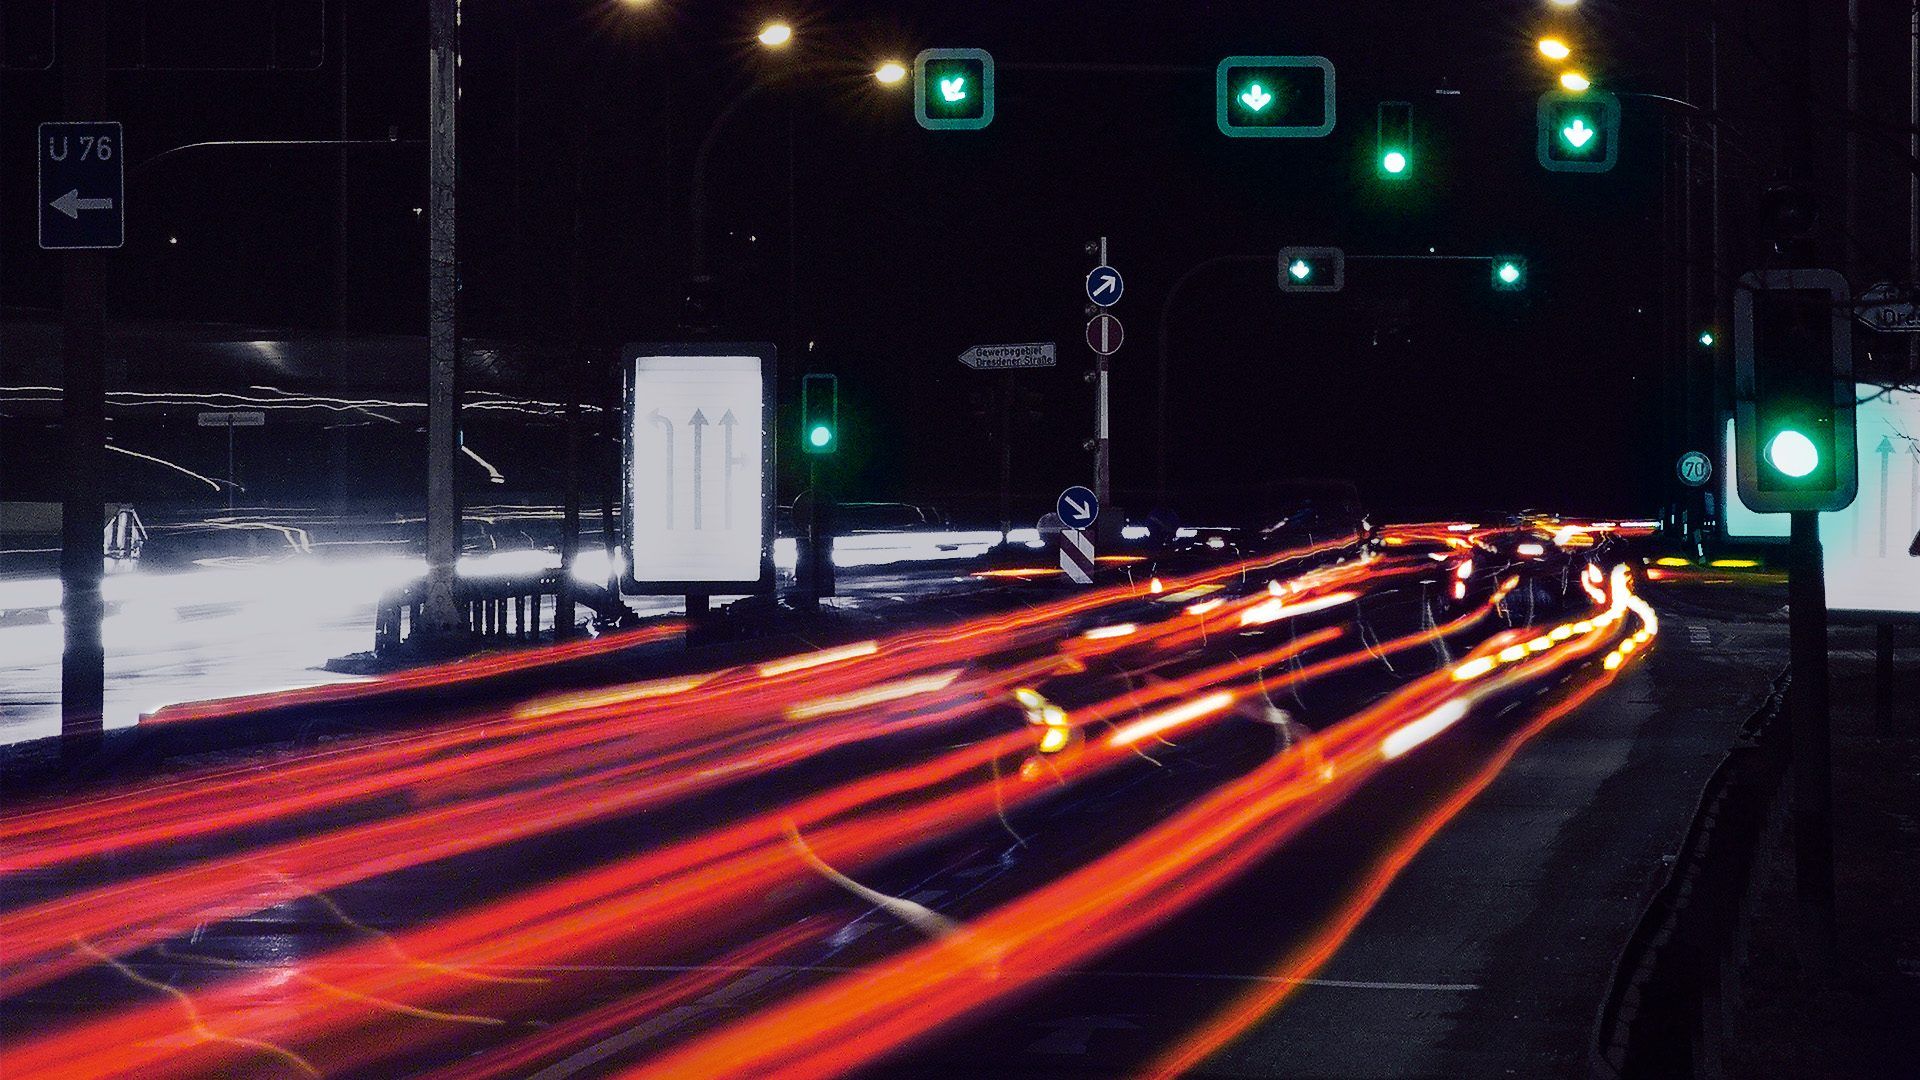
pixel 1664 1015
pixel 498 609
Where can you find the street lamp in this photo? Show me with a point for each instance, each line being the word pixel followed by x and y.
pixel 775 34
pixel 1575 81
pixel 1554 49
pixel 891 73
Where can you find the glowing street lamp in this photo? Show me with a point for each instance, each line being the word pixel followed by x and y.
pixel 775 34
pixel 1554 49
pixel 1575 81
pixel 891 73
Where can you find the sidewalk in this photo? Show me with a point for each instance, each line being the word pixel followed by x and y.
pixel 1864 1020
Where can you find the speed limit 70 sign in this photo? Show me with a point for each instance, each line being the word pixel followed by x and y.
pixel 1694 468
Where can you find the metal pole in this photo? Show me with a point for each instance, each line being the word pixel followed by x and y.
pixel 1006 454
pixel 1852 212
pixel 1811 743
pixel 442 616
pixel 83 350
pixel 1913 176
pixel 1102 456
pixel 1883 678
pixel 229 464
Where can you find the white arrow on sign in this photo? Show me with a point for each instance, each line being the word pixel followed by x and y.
pixel 71 204
pixel 1079 509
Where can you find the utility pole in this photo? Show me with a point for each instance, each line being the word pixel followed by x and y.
pixel 442 616
pixel 83 353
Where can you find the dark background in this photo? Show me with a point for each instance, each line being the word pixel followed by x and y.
pixel 580 122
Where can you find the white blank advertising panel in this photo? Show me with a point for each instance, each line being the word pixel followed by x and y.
pixel 698 468
pixel 1865 545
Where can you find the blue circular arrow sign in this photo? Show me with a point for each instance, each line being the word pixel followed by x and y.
pixel 1105 285
pixel 1077 507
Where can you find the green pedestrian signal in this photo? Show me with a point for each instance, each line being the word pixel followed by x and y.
pixel 1393 139
pixel 1509 273
pixel 1578 132
pixel 819 414
pixel 1793 391
pixel 1313 269
pixel 1274 97
pixel 953 89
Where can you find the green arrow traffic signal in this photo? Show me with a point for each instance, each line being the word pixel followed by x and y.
pixel 1274 96
pixel 1578 132
pixel 1509 273
pixel 1312 269
pixel 953 89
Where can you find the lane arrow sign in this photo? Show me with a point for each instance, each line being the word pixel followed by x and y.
pixel 1885 450
pixel 71 204
pixel 727 422
pixel 666 425
pixel 699 425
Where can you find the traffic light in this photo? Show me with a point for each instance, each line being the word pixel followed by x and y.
pixel 1578 132
pixel 819 414
pixel 1312 269
pixel 1274 97
pixel 1793 391
pixel 1393 140
pixel 953 89
pixel 1509 273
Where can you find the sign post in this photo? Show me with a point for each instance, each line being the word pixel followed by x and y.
pixel 1104 336
pixel 231 420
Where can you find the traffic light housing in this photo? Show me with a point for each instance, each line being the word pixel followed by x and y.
pixel 1793 391
pixel 1578 131
pixel 819 414
pixel 953 89
pixel 1509 273
pixel 1274 97
pixel 1312 269
pixel 1393 140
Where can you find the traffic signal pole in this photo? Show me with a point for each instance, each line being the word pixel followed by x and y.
pixel 82 30
pixel 1808 705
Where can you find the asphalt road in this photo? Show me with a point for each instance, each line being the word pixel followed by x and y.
pixel 1261 814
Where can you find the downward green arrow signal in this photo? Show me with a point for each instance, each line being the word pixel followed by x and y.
pixel 1577 134
pixel 1256 97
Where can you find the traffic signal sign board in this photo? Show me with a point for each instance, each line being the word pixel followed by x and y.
pixel 1578 132
pixel 819 414
pixel 1274 97
pixel 953 89
pixel 1793 391
pixel 1312 269
pixel 1393 140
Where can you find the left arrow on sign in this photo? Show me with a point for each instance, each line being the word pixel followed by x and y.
pixel 71 204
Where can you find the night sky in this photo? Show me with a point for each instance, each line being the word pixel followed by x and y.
pixel 582 120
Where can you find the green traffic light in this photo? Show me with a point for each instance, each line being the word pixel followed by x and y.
pixel 821 435
pixel 1509 273
pixel 1706 339
pixel 1578 134
pixel 1394 163
pixel 1301 269
pixel 1792 454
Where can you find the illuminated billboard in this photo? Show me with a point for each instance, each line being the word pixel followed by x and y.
pixel 699 468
